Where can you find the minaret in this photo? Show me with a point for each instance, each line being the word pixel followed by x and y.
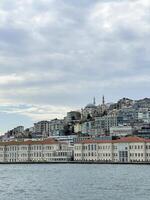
pixel 103 100
pixel 94 101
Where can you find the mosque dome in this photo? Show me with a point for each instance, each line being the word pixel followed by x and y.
pixel 90 105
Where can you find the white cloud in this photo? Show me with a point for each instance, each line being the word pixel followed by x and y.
pixel 36 112
pixel 8 79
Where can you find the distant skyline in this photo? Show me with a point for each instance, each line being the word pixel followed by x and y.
pixel 55 56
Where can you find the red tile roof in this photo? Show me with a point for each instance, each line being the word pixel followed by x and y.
pixel 130 139
pixel 31 142
pixel 90 141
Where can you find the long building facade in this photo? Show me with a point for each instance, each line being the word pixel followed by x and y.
pixel 47 150
pixel 124 150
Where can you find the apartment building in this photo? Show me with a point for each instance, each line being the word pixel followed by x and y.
pixel 42 127
pixel 48 150
pixel 127 149
pixel 56 127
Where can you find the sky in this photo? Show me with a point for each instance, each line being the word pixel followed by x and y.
pixel 56 55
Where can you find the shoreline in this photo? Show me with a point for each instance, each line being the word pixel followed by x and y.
pixel 79 163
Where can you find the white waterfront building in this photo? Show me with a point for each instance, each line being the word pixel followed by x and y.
pixel 127 149
pixel 48 150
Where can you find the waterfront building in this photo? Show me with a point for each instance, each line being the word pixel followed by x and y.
pixel 126 149
pixel 48 150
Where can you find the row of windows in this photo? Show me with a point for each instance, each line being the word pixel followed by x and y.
pixel 93 146
pixel 77 147
pixel 92 154
pixel 25 160
pixel 104 154
pixel 38 154
pixel 136 147
pixel 137 154
pixel 104 147
pixel 77 154
pixel 137 160
pixel 23 148
pixel 16 155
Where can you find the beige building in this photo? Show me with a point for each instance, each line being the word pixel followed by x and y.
pixel 127 149
pixel 48 150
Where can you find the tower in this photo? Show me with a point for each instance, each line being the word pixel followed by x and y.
pixel 94 101
pixel 103 100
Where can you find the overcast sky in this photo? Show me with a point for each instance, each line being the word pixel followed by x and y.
pixel 55 55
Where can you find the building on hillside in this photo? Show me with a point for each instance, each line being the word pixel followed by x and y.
pixel 15 132
pixel 144 115
pixel 103 124
pixel 125 102
pixel 143 131
pixel 124 150
pixel 42 128
pixel 89 112
pixel 48 150
pixel 120 131
pixel 142 103
pixel 56 127
pixel 18 129
pixel 78 128
pixel 73 116
pixel 69 139
pixel 129 115
pixel 88 128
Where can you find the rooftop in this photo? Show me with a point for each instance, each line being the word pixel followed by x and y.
pixel 90 105
pixel 121 140
pixel 31 142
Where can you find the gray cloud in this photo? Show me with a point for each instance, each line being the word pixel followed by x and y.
pixel 62 53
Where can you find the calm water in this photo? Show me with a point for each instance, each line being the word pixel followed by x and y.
pixel 74 182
